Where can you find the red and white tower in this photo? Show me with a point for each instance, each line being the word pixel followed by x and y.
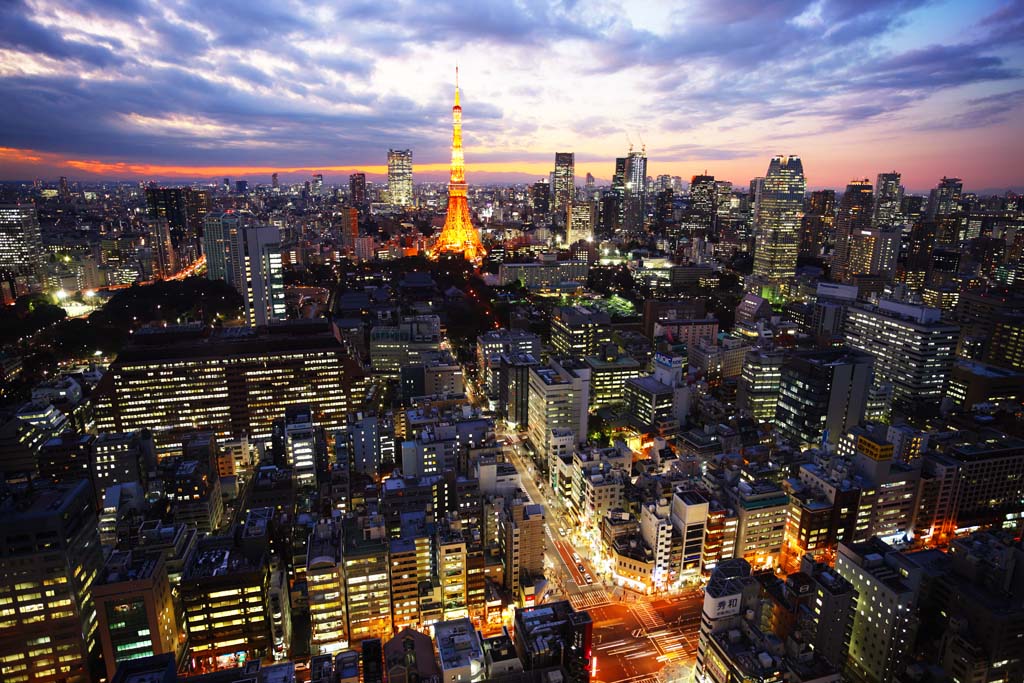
pixel 458 236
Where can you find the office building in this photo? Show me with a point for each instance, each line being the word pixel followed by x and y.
pixel 134 608
pixel 817 223
pixel 581 223
pixel 944 200
pixel 609 373
pixel 183 380
pixel 821 395
pixel 884 623
pixel 563 186
pixel 224 592
pixel 635 192
pixel 548 273
pixel 50 559
pixel 367 586
pixel 578 332
pixel 21 245
pixel 116 459
pixel 326 589
pixel 730 592
pixel 777 220
pixel 888 209
pixel 872 252
pixel 855 210
pixel 300 444
pixel 760 383
pixel 357 190
pixel 220 235
pixel 649 403
pixel 559 398
pixel 555 634
pixel 261 280
pixel 912 347
pixel 400 177
pixel 522 527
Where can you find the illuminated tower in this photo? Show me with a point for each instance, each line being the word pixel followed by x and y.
pixel 458 236
pixel 777 220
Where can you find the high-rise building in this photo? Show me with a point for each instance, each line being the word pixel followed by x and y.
pixel 635 197
pixel 777 220
pixel 459 235
pixel 559 398
pixel 540 197
pixel 260 277
pixel 873 251
pixel 224 592
pixel 522 543
pixel 581 222
pixel 318 184
pixel 912 347
pixel 703 199
pixel 944 200
pixel 888 210
pixel 21 246
pixel 49 561
pixel 854 217
pixel 760 382
pixel 730 592
pixel 181 380
pixel 357 188
pixel 326 589
pixel 274 182
pixel 367 585
pixel 822 394
pixel 578 332
pixel 884 622
pixel 400 177
pixel 300 443
pixel 563 188
pixel 135 611
pixel 817 223
pixel 219 237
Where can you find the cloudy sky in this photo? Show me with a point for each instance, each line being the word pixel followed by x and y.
pixel 183 89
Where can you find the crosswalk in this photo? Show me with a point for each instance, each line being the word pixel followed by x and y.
pixel 649 618
pixel 590 597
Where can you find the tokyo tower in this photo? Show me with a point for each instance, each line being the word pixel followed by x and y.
pixel 458 236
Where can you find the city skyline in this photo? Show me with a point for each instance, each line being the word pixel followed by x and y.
pixel 116 91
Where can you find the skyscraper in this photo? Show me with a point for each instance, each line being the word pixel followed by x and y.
pixel 21 246
pixel 357 188
pixel 944 200
pixel 318 184
pixel 821 395
pixel 49 561
pixel 563 187
pixel 888 199
pixel 220 233
pixel 261 277
pixel 400 177
pixel 703 200
pixel 635 191
pixel 459 236
pixel 913 350
pixel 817 222
pixel 581 222
pixel 777 220
pixel 854 217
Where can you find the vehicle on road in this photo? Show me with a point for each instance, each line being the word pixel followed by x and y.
pixel 562 532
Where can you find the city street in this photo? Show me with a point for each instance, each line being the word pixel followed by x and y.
pixel 637 639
